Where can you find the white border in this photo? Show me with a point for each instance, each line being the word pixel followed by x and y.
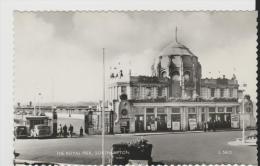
pixel 6 42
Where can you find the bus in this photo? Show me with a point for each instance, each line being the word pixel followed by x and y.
pixel 38 126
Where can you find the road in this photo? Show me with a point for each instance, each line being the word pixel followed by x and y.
pixel 184 148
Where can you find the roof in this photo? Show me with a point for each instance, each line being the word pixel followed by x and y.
pixel 175 48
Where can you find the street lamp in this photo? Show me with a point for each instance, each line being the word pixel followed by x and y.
pixel 243 119
pixel 39 109
pixel 243 114
pixel 103 112
pixel 37 100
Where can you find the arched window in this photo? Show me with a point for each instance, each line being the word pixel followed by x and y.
pixel 176 76
pixel 186 75
pixel 163 74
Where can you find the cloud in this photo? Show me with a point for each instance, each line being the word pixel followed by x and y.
pixel 67 47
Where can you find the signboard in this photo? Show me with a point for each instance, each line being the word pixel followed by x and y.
pixel 235 121
pixel 153 127
pixel 193 124
pixel 169 122
pixel 119 154
pixel 176 125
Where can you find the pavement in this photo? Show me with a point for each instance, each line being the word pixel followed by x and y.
pixel 173 132
pixel 188 148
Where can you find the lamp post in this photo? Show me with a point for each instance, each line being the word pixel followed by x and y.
pixel 103 112
pixel 39 109
pixel 243 119
pixel 243 113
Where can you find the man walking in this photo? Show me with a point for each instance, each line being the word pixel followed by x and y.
pixel 81 131
pixel 71 130
pixel 60 130
pixel 205 126
pixel 65 131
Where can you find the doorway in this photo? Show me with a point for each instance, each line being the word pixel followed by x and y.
pixel 139 123
pixel 162 122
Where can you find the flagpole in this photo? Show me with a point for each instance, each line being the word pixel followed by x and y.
pixel 103 112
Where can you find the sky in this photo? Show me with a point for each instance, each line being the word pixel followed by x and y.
pixel 59 54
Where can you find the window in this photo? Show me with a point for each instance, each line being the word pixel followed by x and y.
pixel 229 109
pixel 220 109
pixel 123 89
pixel 230 92
pixel 186 75
pixel 149 91
pixel 175 110
pixel 160 89
pixel 248 109
pixel 150 110
pixel 161 110
pixel 202 110
pixel 221 92
pixel 176 76
pixel 203 117
pixel 212 92
pixel 211 109
pixel 176 118
pixel 191 111
pixel 164 74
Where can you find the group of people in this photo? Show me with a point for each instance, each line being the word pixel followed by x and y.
pixel 63 131
pixel 215 124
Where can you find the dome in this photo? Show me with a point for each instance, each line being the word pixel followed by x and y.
pixel 175 48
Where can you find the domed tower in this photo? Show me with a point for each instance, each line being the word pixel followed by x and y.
pixel 183 69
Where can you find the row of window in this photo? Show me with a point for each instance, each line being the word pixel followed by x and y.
pixel 161 91
pixel 148 91
pixel 222 90
pixel 191 110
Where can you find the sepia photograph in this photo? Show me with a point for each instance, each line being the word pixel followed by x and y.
pixel 135 87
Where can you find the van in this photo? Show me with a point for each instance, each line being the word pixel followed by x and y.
pixel 20 131
pixel 41 131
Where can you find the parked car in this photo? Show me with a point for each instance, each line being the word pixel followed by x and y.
pixel 251 138
pixel 41 131
pixel 20 131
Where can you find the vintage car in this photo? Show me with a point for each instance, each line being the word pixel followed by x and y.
pixel 251 139
pixel 20 131
pixel 41 131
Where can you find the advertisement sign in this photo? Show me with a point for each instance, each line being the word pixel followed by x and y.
pixel 193 124
pixel 153 127
pixel 169 122
pixel 169 125
pixel 234 121
pixel 176 125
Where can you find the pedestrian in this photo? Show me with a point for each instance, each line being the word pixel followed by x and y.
pixel 65 132
pixel 214 125
pixel 60 130
pixel 71 130
pixel 205 126
pixel 209 125
pixel 81 131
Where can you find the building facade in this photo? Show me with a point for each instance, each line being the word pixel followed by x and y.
pixel 175 97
